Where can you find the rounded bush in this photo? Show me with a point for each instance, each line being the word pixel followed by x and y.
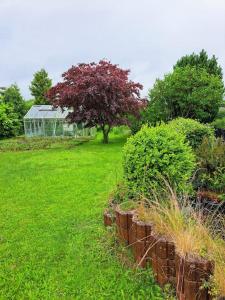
pixel 219 123
pixel 155 153
pixel 194 131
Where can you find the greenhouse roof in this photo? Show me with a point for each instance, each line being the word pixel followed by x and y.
pixel 46 112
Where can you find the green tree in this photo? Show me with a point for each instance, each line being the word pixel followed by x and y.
pixel 9 121
pixel 201 60
pixel 28 104
pixel 188 92
pixel 40 84
pixel 13 97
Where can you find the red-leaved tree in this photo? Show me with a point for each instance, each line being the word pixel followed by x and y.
pixel 98 94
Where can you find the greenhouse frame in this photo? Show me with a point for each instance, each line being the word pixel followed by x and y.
pixel 46 120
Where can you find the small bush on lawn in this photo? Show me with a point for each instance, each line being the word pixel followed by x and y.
pixel 154 153
pixel 192 129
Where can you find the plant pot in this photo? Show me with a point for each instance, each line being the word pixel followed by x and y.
pixel 190 275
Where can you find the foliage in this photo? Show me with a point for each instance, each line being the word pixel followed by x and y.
pixel 120 193
pixel 221 113
pixel 214 181
pixel 136 123
pixel 211 161
pixel 211 154
pixel 154 153
pixel 40 85
pixel 121 130
pixel 51 213
pixel 12 96
pixel 193 130
pixel 201 60
pixel 217 286
pixel 219 123
pixel 187 92
pixel 28 105
pixel 99 94
pixel 128 205
pixel 9 122
pixel 147 117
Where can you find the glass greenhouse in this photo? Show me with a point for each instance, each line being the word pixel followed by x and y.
pixel 46 120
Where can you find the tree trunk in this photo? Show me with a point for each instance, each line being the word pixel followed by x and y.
pixel 105 136
pixel 105 132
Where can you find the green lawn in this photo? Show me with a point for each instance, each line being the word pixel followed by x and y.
pixel 52 241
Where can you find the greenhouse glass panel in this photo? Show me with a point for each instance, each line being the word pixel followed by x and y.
pixel 46 120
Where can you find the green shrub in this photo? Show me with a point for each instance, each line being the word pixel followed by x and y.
pixel 211 154
pixel 219 123
pixel 211 166
pixel 212 181
pixel 221 113
pixel 193 130
pixel 156 153
pixel 9 121
pixel 135 124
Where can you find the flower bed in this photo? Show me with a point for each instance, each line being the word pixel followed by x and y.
pixel 186 274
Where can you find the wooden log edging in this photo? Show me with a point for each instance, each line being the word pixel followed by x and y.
pixel 154 250
pixel 191 273
pixel 108 218
pixel 165 259
pixel 141 233
pixel 124 225
pixel 187 274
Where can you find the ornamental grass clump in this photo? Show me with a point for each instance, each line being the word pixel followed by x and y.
pixel 192 233
pixel 181 225
pixel 217 254
pixel 155 153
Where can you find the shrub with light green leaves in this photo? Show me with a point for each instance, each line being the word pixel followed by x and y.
pixel 156 154
pixel 194 131
pixel 219 123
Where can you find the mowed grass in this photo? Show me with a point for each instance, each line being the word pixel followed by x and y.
pixel 52 241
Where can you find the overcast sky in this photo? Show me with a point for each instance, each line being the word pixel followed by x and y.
pixel 146 36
